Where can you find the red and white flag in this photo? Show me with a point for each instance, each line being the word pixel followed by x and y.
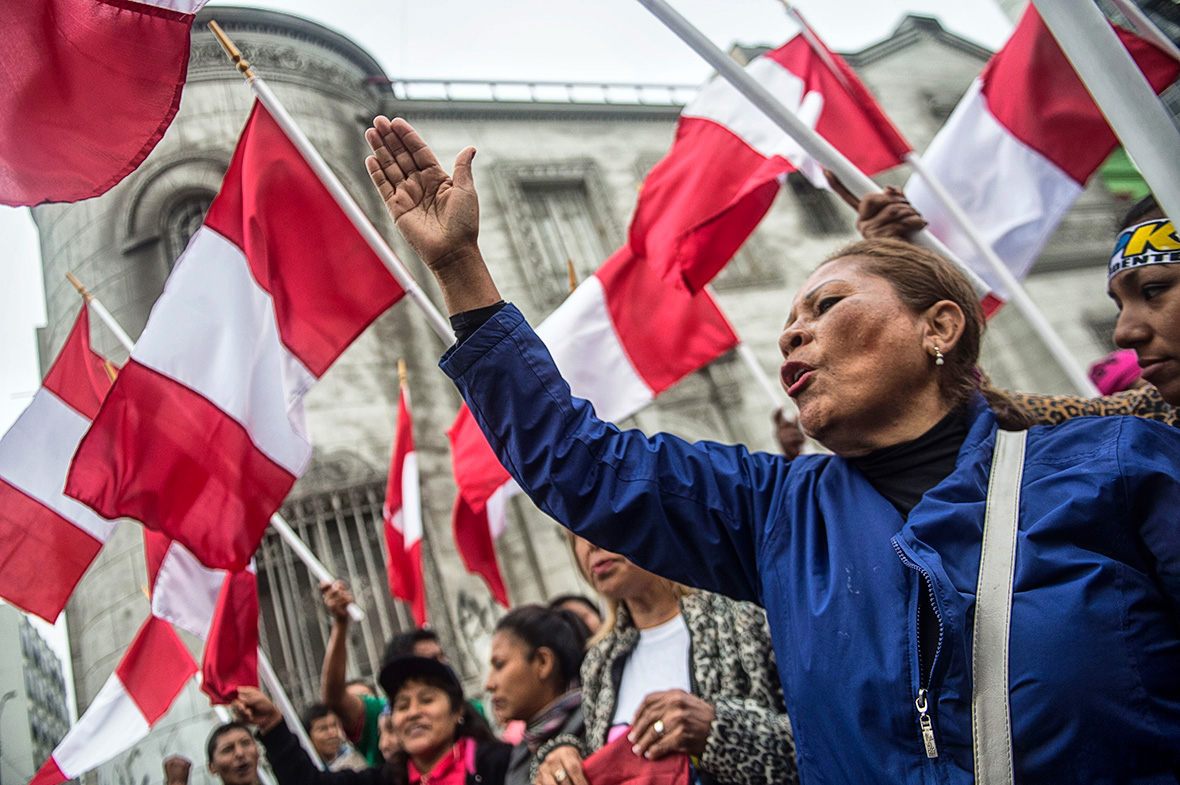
pixel 145 683
pixel 700 203
pixel 87 89
pixel 204 432
pixel 402 514
pixel 47 540
pixel 217 606
pixel 622 338
pixel 1019 147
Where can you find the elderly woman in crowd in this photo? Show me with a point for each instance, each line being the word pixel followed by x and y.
pixel 438 741
pixel 868 561
pixel 681 671
pixel 533 678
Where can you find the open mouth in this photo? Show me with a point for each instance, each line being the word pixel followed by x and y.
pixel 795 376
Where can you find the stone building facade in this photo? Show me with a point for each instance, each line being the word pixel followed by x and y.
pixel 558 170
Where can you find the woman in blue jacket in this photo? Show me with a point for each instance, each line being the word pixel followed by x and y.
pixel 867 560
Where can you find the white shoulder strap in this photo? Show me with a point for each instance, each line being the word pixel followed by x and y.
pixel 991 724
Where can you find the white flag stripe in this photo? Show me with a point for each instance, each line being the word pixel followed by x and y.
pixel 1014 195
pixel 497 507
pixel 56 428
pixel 185 592
pixel 583 342
pixel 212 307
pixel 184 6
pixel 111 725
pixel 409 517
pixel 720 102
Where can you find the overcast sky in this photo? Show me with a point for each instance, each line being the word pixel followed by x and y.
pixel 542 40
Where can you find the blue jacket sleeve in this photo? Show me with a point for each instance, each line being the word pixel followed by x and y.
pixel 689 512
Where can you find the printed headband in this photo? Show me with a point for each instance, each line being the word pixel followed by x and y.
pixel 1151 242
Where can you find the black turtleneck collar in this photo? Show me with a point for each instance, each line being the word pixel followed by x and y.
pixel 902 473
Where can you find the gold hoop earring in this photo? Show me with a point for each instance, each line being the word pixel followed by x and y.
pixel 938 360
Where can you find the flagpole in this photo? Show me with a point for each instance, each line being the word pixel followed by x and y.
pixel 857 182
pixel 1016 291
pixel 1118 87
pixel 1146 28
pixel 440 325
pixel 276 521
pixel 271 680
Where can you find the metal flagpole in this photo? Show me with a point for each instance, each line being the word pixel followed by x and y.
pixel 271 680
pixel 276 521
pixel 857 182
pixel 440 325
pixel 1130 105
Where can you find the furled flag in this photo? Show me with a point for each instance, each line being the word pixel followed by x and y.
pixel 700 203
pixel 217 606
pixel 622 338
pixel 402 514
pixel 1019 147
pixel 87 88
pixel 204 432
pixel 47 540
pixel 145 683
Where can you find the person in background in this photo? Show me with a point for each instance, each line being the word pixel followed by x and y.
pixel 323 728
pixel 232 755
pixel 437 742
pixel 585 608
pixel 695 666
pixel 533 678
pixel 360 687
pixel 1116 372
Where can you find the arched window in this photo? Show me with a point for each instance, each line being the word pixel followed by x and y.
pixel 181 222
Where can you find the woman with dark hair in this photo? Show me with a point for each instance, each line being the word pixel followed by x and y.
pixel 438 740
pixel 700 662
pixel 533 678
pixel 949 597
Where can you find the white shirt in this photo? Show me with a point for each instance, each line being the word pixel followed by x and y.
pixel 659 662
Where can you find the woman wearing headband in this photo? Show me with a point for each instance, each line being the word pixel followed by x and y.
pixel 868 560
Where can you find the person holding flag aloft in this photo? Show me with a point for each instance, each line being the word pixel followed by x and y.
pixel 952 596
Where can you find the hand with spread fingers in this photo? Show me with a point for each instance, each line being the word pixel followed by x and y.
pixel 671 721
pixel 562 766
pixel 436 213
pixel 887 215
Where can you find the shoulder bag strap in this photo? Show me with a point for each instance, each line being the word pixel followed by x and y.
pixel 990 721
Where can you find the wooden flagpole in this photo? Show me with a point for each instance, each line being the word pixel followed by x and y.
pixel 434 318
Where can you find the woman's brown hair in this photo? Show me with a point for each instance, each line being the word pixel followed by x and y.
pixel 922 278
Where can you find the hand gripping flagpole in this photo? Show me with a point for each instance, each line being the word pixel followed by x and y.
pixel 860 185
pixel 339 193
pixel 314 565
pixel 1134 111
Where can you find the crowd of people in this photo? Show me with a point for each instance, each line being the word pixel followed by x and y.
pixel 845 616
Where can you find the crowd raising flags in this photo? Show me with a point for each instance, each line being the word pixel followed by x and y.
pixel 87 89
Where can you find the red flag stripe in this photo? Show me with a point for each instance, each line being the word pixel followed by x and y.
pixel 78 376
pixel 215 476
pixel 42 555
pixel 155 668
pixel 231 651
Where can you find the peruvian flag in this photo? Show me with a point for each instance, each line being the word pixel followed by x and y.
pixel 622 338
pixel 1019 147
pixel 87 89
pixel 218 606
pixel 47 540
pixel 700 203
pixel 204 432
pixel 140 691
pixel 402 514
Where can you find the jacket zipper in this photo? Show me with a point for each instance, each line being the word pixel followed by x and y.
pixel 921 701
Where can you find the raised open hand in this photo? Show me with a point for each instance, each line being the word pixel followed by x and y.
pixel 437 215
